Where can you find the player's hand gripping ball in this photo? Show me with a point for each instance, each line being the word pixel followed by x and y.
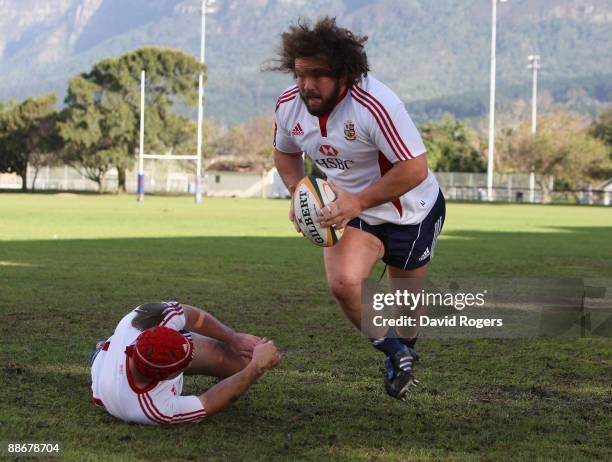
pixel 311 195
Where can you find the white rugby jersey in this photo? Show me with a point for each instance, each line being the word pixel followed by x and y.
pixel 367 132
pixel 114 390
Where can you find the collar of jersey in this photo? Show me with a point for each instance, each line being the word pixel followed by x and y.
pixel 323 118
pixel 338 101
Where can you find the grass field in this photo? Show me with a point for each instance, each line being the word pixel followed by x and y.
pixel 71 266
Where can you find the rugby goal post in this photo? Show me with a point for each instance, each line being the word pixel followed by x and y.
pixel 198 156
pixel 142 155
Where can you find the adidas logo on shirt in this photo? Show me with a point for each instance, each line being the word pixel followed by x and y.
pixel 297 130
pixel 425 255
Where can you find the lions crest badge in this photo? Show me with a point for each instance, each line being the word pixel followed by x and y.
pixel 349 131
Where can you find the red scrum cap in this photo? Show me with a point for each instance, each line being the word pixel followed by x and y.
pixel 160 352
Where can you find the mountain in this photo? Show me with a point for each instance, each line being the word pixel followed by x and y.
pixel 435 55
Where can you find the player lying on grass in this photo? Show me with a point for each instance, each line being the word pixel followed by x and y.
pixel 137 373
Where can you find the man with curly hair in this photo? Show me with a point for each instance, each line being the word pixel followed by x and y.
pixel 359 134
pixel 137 373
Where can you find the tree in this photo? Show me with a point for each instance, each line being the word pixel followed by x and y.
pixel 213 140
pixel 100 123
pixel 248 144
pixel 451 146
pixel 562 148
pixel 87 128
pixel 602 127
pixel 602 130
pixel 27 135
pixel 251 140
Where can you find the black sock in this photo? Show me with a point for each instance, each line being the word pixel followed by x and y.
pixel 388 345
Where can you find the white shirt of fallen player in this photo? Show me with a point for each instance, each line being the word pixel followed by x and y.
pixel 367 132
pixel 114 390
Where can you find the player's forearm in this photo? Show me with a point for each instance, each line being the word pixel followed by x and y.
pixel 204 323
pixel 403 177
pixel 230 389
pixel 290 168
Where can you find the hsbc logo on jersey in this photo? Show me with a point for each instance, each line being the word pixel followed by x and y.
pixel 328 150
pixel 335 163
pixel 332 160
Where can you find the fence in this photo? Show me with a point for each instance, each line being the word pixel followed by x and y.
pixel 517 187
pixel 167 179
pixel 170 178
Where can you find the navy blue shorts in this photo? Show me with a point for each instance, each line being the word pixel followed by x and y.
pixel 408 246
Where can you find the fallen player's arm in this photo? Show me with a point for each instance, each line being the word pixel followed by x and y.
pixel 265 357
pixel 203 323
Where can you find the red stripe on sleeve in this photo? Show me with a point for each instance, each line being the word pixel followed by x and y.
pixel 285 100
pixel 170 315
pixel 189 413
pixel 147 412
pixel 292 89
pixel 372 110
pixel 179 418
pixel 376 102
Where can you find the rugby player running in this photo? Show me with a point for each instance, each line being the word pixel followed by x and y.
pixel 360 135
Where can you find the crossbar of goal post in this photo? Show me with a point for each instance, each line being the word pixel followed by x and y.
pixel 142 156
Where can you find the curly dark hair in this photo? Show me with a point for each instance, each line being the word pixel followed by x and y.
pixel 342 50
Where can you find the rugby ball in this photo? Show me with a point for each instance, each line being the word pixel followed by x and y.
pixel 311 195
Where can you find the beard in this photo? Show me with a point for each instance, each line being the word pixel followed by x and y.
pixel 326 105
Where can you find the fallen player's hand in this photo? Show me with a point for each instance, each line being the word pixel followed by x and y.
pixel 343 209
pixel 245 344
pixel 266 356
